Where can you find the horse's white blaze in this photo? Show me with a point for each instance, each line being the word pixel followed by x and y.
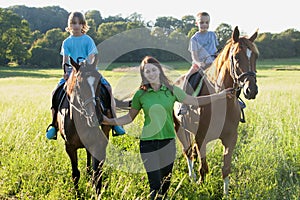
pixel 91 81
pixel 248 53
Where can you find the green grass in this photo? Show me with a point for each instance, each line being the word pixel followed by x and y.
pixel 265 162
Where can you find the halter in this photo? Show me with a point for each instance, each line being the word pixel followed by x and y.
pixel 237 84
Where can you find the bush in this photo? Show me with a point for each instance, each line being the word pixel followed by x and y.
pixel 44 57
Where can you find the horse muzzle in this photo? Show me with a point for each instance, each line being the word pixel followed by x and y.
pixel 250 92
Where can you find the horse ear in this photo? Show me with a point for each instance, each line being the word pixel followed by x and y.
pixel 236 34
pixel 74 64
pixel 94 61
pixel 254 36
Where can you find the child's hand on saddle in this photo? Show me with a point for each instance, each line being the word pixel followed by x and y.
pixel 196 67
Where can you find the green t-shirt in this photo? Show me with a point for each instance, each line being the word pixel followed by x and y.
pixel 158 111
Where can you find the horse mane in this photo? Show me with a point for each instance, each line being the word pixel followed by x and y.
pixel 213 72
pixel 71 83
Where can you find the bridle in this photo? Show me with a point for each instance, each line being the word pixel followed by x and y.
pixel 82 107
pixel 239 79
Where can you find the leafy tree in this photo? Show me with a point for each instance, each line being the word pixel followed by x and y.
pixel 43 19
pixel 133 25
pixel 44 57
pixel 27 30
pixel 116 18
pixel 176 35
pixel 264 44
pixel 45 51
pixel 35 35
pixel 188 22
pixel 192 32
pixel 159 32
pixel 15 38
pixel 294 36
pixel 92 30
pixel 107 30
pixel 95 16
pixel 52 39
pixel 135 17
pixel 223 32
pixel 168 24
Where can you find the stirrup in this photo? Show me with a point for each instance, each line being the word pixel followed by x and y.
pixel 117 130
pixel 242 120
pixel 51 132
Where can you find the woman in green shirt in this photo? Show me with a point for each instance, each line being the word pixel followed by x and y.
pixel 156 97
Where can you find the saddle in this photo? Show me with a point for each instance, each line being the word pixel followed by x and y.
pixel 194 85
pixel 58 98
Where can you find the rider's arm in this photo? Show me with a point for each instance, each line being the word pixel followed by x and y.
pixel 126 119
pixel 65 59
pixel 196 59
pixel 91 58
pixel 204 100
pixel 65 65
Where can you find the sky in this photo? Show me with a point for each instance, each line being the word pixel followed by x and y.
pixel 267 16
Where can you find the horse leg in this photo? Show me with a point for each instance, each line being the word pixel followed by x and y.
pixel 186 143
pixel 88 162
pixel 201 151
pixel 97 174
pixel 188 152
pixel 74 162
pixel 227 157
pixel 203 169
pixel 189 155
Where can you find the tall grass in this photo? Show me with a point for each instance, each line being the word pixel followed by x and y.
pixel 265 162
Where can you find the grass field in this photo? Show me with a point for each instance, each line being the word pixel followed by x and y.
pixel 265 163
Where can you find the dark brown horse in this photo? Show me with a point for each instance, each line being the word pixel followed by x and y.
pixel 234 67
pixel 79 116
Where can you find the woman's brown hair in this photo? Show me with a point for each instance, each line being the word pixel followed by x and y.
pixel 163 78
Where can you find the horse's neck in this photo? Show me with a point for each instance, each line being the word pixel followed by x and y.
pixel 219 77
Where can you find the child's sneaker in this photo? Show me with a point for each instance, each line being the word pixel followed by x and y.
pixel 51 132
pixel 118 130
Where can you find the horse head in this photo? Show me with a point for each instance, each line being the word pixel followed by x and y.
pixel 84 81
pixel 243 55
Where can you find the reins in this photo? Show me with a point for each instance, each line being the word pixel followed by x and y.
pixel 237 84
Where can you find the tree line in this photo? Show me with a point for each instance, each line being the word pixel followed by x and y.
pixel 33 36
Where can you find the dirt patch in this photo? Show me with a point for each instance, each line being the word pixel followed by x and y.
pixel 133 69
pixel 288 68
pixel 126 69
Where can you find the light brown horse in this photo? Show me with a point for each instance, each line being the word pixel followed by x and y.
pixel 78 119
pixel 234 67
